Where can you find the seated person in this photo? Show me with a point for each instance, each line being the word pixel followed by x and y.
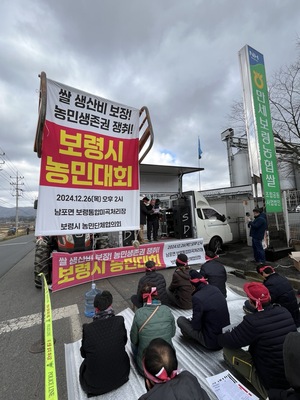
pixel 291 351
pixel 281 291
pixel 151 321
pixel 180 290
pixel 210 313
pixel 106 364
pixel 264 332
pixel 156 279
pixel 163 380
pixel 214 271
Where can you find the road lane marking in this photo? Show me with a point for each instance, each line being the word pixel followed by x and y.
pixel 35 319
pixel 14 244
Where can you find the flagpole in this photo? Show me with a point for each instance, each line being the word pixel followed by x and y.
pixel 199 158
pixel 199 175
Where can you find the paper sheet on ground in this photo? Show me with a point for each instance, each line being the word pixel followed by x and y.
pixel 227 387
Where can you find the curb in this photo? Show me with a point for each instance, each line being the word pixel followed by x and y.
pixel 253 276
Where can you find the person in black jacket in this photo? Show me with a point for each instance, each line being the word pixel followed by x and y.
pixel 156 279
pixel 106 364
pixel 291 351
pixel 153 220
pixel 143 218
pixel 264 332
pixel 258 228
pixel 210 313
pixel 214 271
pixel 163 380
pixel 281 291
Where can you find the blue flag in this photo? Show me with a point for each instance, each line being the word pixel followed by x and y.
pixel 199 149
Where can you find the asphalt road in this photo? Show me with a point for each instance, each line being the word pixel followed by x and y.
pixel 22 372
pixel 13 250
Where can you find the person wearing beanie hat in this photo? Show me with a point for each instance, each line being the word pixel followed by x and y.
pixel 258 228
pixel 291 351
pixel 264 331
pixel 106 364
pixel 151 321
pixel 210 313
pixel 214 271
pixel 180 290
pixel 281 291
pixel 156 279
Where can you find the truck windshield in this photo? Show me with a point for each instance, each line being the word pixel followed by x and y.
pixel 210 213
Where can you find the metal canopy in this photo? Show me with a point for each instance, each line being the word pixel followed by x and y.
pixel 173 170
pixel 168 171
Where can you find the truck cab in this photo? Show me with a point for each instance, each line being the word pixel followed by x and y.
pixel 193 217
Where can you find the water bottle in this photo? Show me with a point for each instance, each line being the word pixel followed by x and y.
pixel 89 310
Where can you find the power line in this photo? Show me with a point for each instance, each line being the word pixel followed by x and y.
pixel 7 169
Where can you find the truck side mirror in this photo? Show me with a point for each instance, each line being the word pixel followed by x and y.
pixel 223 218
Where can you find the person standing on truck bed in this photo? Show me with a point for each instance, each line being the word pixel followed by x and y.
pixel 143 218
pixel 153 220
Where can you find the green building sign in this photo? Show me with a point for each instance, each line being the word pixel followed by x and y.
pixel 262 127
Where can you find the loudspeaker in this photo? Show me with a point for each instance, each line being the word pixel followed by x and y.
pixel 128 237
pixel 182 220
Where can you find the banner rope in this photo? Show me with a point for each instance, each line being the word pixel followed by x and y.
pixel 50 371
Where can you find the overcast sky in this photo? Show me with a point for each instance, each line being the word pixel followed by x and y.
pixel 179 58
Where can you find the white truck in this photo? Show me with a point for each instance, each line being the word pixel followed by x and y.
pixel 191 216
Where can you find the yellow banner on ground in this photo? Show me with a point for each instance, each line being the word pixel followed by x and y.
pixel 50 371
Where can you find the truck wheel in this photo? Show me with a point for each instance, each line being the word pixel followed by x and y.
pixel 215 244
pixel 42 262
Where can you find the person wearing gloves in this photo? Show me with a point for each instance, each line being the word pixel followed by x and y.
pixel 163 380
pixel 151 321
pixel 210 313
pixel 106 364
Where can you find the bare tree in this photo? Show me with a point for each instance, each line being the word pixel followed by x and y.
pixel 284 93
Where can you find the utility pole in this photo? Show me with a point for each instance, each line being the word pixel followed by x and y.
pixel 18 192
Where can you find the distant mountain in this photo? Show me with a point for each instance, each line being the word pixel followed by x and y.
pixel 24 212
